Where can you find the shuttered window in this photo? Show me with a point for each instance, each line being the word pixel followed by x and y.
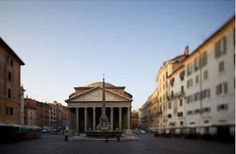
pixel 220 47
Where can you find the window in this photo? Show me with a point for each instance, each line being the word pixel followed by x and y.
pixel 181 123
pixel 189 83
pixel 197 79
pixel 221 88
pixel 172 82
pixel 221 66
pixel 180 114
pixel 182 90
pixel 172 94
pixel 180 102
pixel 196 96
pixel 189 69
pixel 9 111
pixel 169 105
pixel 189 112
pixel 9 93
pixel 181 75
pixel 189 98
pixel 205 75
pixel 9 76
pixel 222 107
pixel 196 64
pixel 197 111
pixel 206 110
pixel 205 93
pixel 220 47
pixel 203 59
pixel 169 115
pixel 9 61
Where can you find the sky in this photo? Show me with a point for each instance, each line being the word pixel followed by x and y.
pixel 66 44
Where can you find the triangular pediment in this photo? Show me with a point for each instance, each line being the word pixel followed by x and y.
pixel 96 95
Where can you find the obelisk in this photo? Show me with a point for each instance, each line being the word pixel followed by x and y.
pixel 103 120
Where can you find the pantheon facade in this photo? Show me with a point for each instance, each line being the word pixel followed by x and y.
pixel 86 107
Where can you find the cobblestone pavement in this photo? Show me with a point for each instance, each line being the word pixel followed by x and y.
pixel 147 144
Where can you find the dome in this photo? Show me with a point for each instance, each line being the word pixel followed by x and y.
pixel 99 84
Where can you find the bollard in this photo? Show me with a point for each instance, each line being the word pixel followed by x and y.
pixel 106 137
pixel 66 138
pixel 118 137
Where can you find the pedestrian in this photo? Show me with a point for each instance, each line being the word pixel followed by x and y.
pixel 66 133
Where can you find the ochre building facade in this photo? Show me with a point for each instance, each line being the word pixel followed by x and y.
pixel 10 89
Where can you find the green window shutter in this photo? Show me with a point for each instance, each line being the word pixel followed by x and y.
pixel 224 45
pixel 217 49
pixel 225 87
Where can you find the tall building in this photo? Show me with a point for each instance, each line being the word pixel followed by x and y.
pixel 163 86
pixel 134 119
pixel 30 110
pixel 210 83
pixel 149 111
pixel 176 100
pixel 42 112
pixel 86 107
pixel 59 115
pixel 22 107
pixel 48 115
pixel 145 115
pixel 10 85
pixel 196 92
pixel 53 120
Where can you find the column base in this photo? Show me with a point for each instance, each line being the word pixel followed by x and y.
pixel 127 132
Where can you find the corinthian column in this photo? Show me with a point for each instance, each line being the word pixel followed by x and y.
pixel 111 118
pixel 85 119
pixel 128 117
pixel 77 120
pixel 94 118
pixel 120 118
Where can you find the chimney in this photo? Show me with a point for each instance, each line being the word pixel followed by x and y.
pixel 186 51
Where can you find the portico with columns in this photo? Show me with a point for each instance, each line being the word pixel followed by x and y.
pixel 86 107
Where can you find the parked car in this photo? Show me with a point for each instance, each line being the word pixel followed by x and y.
pixel 142 131
pixel 44 131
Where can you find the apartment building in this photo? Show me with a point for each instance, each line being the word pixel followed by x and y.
pixel 134 119
pixel 10 85
pixel 53 116
pixel 176 119
pixel 163 86
pixel 30 110
pixel 196 92
pixel 46 115
pixel 210 84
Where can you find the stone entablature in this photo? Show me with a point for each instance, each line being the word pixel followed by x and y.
pixel 98 104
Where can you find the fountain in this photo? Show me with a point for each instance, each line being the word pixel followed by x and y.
pixel 103 128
